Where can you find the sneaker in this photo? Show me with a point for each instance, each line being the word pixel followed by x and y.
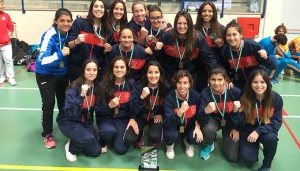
pixel 2 79
pixel 205 152
pixel 189 149
pixel 261 146
pixel 49 141
pixel 104 149
pixel 70 157
pixel 170 151
pixel 274 81
pixel 264 169
pixel 12 81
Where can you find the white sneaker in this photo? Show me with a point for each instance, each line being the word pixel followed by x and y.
pixel 2 79
pixel 170 151
pixel 104 149
pixel 12 81
pixel 189 149
pixel 70 157
pixel 261 146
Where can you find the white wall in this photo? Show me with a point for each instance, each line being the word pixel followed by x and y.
pixel 32 24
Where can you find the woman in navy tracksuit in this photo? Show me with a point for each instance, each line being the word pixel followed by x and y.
pixel 114 120
pixel 243 56
pixel 181 108
pixel 262 109
pixel 147 102
pixel 76 120
pixel 134 54
pixel 52 71
pixel 219 110
pixel 89 38
pixel 213 32
pixel 184 47
pixel 117 18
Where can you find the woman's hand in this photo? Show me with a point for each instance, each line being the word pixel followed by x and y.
pixel 145 93
pixel 84 89
pixel 134 126
pixel 263 54
pixel 234 135
pixel 65 51
pixel 210 108
pixel 114 102
pixel 158 119
pixel 107 47
pixel 253 137
pixel 197 133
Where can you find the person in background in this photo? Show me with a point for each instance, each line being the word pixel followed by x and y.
pixel 52 70
pixel 114 120
pixel 181 108
pixel 147 103
pixel 262 112
pixel 269 44
pixel 213 32
pixel 117 18
pixel 6 61
pixel 243 55
pixel 90 38
pixel 75 121
pixel 219 110
pixel 139 21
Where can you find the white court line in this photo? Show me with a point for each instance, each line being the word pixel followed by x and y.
pixel 291 116
pixel 31 109
pixel 17 88
pixel 285 95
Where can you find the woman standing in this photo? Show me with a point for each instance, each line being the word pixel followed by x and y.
pixel 262 110
pixel 76 120
pixel 147 102
pixel 134 54
pixel 114 120
pixel 89 38
pixel 117 18
pixel 243 56
pixel 52 70
pixel 181 108
pixel 183 45
pixel 219 110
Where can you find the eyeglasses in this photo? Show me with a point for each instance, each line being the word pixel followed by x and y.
pixel 155 18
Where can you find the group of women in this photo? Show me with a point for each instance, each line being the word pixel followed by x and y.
pixel 142 74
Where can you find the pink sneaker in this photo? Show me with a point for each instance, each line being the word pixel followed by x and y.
pixel 49 141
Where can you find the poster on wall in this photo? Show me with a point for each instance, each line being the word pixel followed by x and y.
pixel 193 6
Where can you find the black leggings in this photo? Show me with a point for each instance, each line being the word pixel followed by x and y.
pixel 154 130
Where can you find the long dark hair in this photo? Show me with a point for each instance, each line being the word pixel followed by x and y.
pixel 214 23
pixel 249 97
pixel 104 20
pixel 123 21
pixel 81 79
pixel 161 83
pixel 60 12
pixel 105 89
pixel 192 36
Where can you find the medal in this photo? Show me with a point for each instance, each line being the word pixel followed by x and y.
pixel 181 129
pixel 180 65
pixel 236 77
pixel 104 40
pixel 154 39
pixel 116 110
pixel 223 122
pixel 61 64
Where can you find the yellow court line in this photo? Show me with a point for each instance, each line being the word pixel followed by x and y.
pixel 24 167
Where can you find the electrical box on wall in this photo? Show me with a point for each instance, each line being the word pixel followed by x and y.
pixel 250 27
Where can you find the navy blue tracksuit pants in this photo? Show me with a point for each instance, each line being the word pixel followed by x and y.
pixel 249 151
pixel 110 128
pixel 83 137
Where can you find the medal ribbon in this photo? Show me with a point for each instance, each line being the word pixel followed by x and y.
pixel 131 54
pixel 224 102
pixel 180 54
pixel 153 105
pixel 177 101
pixel 91 99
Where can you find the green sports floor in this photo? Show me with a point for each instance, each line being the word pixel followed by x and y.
pixel 22 147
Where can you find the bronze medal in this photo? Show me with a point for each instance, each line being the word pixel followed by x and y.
pixel 61 64
pixel 223 122
pixel 116 111
pixel 181 129
pixel 180 65
pixel 154 40
pixel 236 77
